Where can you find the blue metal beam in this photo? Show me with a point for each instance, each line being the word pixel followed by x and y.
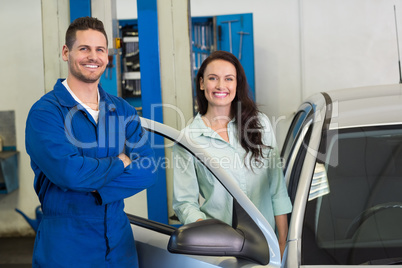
pixel 152 98
pixel 79 8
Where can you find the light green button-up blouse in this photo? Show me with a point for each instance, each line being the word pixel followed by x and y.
pixel 198 195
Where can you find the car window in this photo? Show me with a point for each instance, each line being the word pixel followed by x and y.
pixel 293 171
pixel 294 132
pixel 354 211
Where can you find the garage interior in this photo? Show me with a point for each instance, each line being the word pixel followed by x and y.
pixel 298 48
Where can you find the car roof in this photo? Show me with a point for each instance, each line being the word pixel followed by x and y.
pixel 366 106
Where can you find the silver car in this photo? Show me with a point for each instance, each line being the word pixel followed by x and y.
pixel 342 160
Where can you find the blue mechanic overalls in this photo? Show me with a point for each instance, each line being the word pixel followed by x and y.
pixel 80 181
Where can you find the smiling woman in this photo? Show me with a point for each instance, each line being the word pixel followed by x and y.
pixel 230 127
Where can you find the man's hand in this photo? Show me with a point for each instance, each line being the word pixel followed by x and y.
pixel 126 160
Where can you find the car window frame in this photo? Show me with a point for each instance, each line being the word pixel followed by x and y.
pixel 301 170
pixel 298 124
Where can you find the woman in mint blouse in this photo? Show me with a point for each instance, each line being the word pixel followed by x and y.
pixel 240 139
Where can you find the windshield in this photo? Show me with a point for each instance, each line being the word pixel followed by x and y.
pixel 354 212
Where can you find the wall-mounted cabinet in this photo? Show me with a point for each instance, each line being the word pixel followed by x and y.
pixel 130 61
pixel 131 77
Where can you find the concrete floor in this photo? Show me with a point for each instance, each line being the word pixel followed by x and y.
pixel 16 252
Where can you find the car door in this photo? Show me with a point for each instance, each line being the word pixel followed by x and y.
pixel 343 182
pixel 299 154
pixel 248 242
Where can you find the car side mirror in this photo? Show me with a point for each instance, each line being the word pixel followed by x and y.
pixel 213 237
pixel 207 237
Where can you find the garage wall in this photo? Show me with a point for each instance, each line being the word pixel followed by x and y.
pixel 126 9
pixel 21 84
pixel 349 44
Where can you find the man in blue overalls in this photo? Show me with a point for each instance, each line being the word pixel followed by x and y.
pixel 86 148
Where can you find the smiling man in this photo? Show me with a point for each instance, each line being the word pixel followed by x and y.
pixel 80 140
